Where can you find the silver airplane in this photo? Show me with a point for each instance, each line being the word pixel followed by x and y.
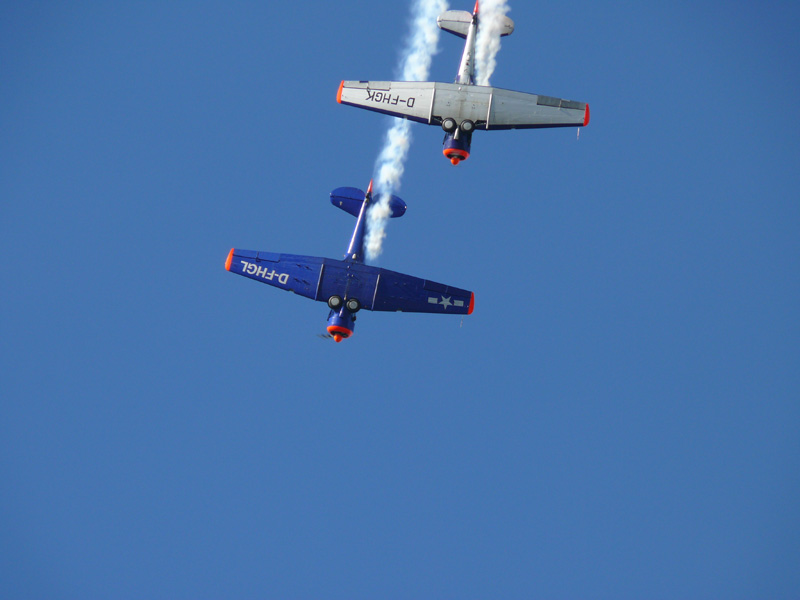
pixel 462 107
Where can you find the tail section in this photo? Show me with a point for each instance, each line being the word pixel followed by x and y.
pixel 466 25
pixel 350 199
pixel 357 203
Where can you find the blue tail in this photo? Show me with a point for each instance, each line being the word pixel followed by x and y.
pixel 357 202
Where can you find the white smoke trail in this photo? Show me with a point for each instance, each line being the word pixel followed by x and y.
pixel 487 44
pixel 415 63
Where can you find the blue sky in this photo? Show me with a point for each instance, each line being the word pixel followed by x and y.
pixel 617 419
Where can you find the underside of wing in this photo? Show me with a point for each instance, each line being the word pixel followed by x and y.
pixel 383 290
pixel 496 108
pixel 399 292
pixel 374 288
pixel 518 110
pixel 406 99
pixel 291 272
pixel 486 107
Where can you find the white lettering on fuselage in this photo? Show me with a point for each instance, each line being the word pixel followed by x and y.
pixel 387 98
pixel 263 272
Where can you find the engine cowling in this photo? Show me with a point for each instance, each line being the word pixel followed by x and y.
pixel 341 324
pixel 456 148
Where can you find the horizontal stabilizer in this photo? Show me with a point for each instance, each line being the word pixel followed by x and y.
pixel 456 22
pixel 506 27
pixel 350 199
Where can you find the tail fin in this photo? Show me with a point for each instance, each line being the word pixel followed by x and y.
pixel 350 199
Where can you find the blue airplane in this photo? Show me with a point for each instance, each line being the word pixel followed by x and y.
pixel 349 285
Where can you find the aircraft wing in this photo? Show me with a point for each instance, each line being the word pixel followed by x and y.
pixel 375 288
pixel 487 107
pixel 398 292
pixel 407 99
pixel 291 272
pixel 518 110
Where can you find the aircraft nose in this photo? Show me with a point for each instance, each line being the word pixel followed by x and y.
pixel 454 160
pixel 339 332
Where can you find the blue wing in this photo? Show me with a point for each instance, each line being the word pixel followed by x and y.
pixel 292 272
pixel 375 288
pixel 399 292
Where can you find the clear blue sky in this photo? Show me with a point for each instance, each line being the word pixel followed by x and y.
pixel 617 419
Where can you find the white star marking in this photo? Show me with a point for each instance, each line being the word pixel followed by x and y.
pixel 445 302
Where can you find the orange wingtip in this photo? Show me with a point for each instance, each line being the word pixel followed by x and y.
pixel 586 116
pixel 471 303
pixel 475 12
pixel 229 261
pixel 369 189
pixel 339 93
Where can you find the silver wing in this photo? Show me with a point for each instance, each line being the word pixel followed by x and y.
pixel 487 107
